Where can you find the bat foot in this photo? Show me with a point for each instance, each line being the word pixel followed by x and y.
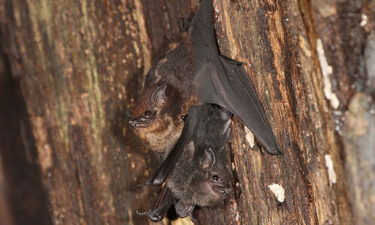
pixel 144 184
pixel 152 216
pixel 146 213
pixel 149 183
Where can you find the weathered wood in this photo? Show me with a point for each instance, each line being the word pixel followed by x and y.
pixel 347 33
pixel 5 212
pixel 24 196
pixel 277 43
pixel 81 66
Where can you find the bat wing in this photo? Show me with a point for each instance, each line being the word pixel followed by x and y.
pixel 196 125
pixel 226 84
pixel 223 81
pixel 172 157
pixel 163 203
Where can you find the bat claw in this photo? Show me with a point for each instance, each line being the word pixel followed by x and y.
pixel 153 217
pixel 144 184
pixel 146 213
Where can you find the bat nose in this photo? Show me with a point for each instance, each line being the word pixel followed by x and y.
pixel 133 123
pixel 223 189
pixel 227 191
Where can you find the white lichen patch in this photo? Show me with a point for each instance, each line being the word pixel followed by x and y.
pixel 331 171
pixel 364 20
pixel 326 71
pixel 44 149
pixel 278 191
pixel 304 45
pixel 249 137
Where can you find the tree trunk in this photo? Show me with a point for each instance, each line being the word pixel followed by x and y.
pixel 81 65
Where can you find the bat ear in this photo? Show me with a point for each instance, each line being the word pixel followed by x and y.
pixel 209 158
pixel 158 96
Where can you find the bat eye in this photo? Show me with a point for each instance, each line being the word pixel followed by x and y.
pixel 215 177
pixel 147 113
pixel 183 118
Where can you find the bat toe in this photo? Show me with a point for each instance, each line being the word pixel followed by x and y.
pixel 155 218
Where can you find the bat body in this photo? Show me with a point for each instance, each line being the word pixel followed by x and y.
pixel 199 175
pixel 194 173
pixel 195 73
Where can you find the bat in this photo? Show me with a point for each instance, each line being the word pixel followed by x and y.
pixel 194 172
pixel 194 73
pixel 199 175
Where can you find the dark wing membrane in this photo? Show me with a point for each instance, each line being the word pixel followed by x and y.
pixel 162 205
pixel 187 132
pixel 202 33
pixel 225 82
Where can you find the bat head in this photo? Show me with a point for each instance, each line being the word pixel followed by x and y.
pixel 157 120
pixel 151 103
pixel 203 179
pixel 213 176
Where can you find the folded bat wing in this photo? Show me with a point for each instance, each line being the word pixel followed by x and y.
pixel 226 84
pixel 163 203
pixel 199 120
pixel 223 81
pixel 172 157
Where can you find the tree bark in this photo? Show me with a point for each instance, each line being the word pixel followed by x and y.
pixel 22 196
pixel 81 66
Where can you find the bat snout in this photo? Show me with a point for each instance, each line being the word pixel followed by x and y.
pixel 222 189
pixel 140 122
pixel 226 191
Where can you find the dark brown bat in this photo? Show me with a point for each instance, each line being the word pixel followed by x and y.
pixel 195 73
pixel 195 171
pixel 200 176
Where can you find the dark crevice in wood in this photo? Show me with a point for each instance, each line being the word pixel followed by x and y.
pixel 26 195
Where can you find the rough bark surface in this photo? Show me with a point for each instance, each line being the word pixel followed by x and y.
pixel 346 30
pixel 21 190
pixel 81 64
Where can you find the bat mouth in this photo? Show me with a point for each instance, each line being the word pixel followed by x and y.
pixel 221 189
pixel 141 122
